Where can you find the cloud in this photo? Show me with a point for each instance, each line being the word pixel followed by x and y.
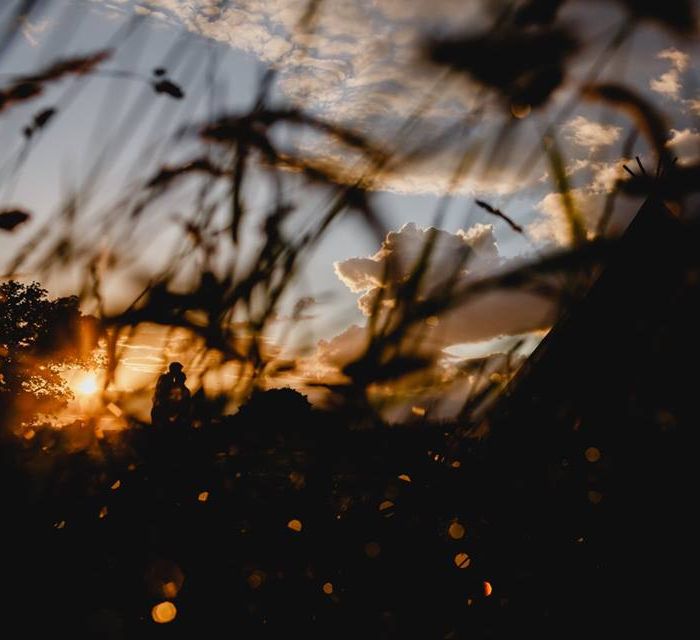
pixel 484 317
pixel 553 226
pixel 426 174
pixel 694 106
pixel 361 66
pixel 440 390
pixel 605 177
pixel 591 135
pixel 491 322
pixel 401 250
pixel 685 144
pixel 32 31
pixel 354 45
pixel 678 59
pixel 669 83
pixel 344 348
pixel 595 180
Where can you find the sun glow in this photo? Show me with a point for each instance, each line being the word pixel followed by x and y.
pixel 88 385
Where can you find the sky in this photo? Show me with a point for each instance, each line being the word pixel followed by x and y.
pixel 357 64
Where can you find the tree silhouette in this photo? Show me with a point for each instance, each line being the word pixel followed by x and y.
pixel 39 336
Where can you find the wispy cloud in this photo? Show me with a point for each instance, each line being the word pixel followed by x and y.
pixel 361 66
pixel 32 31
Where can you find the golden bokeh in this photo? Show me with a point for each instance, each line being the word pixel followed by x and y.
pixel 164 612
pixel 387 505
pixel 488 588
pixel 456 531
pixel 295 525
pixel 328 588
pixel 170 589
pixel 593 454
pixel 520 111
pixel 297 480
pixel 595 497
pixel 203 496
pixel 462 560
pixel 256 579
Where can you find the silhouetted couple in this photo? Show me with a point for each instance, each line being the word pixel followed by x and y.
pixel 171 401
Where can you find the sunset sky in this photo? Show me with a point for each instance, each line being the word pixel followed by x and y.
pixel 359 65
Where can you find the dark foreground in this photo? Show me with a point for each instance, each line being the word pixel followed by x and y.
pixel 99 531
pixel 572 516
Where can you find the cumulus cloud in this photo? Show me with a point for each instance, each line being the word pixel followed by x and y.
pixel 678 59
pixel 669 83
pixel 401 250
pixel 598 179
pixel 591 135
pixel 685 144
pixel 465 255
pixel 493 323
pixel 693 106
pixel 605 176
pixel 553 226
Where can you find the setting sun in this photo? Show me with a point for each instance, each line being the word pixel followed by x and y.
pixel 87 386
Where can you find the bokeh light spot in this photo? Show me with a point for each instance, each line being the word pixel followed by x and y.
pixel 593 454
pixel 595 497
pixel 170 589
pixel 386 507
pixel 456 531
pixel 295 525
pixel 520 111
pixel 462 560
pixel 164 612
pixel 256 579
